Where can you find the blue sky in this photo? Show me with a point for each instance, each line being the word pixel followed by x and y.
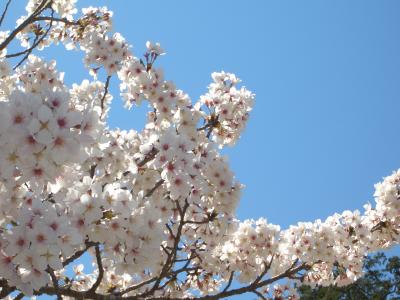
pixel 325 125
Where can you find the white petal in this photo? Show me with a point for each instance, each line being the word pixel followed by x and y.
pixel 60 155
pixel 34 126
pixel 74 118
pixel 5 120
pixel 44 137
pixel 44 113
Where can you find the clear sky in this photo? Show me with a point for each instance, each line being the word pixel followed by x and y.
pixel 325 125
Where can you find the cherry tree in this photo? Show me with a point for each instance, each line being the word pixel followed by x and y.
pixel 155 209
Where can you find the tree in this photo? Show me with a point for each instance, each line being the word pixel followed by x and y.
pixel 380 281
pixel 156 208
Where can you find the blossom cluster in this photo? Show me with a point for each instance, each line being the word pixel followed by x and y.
pixel 41 131
pixel 39 236
pixel 64 8
pixel 85 33
pixel 229 107
pixel 106 52
pixel 333 249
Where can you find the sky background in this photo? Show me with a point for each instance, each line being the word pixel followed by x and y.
pixel 325 125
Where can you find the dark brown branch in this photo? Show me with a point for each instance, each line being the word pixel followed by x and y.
pixel 212 122
pixel 137 286
pixel 4 12
pixel 149 157
pixel 180 227
pixel 172 256
pixel 156 186
pixel 26 51
pixel 20 296
pixel 100 268
pixel 170 231
pixel 37 41
pixel 62 20
pixel 78 254
pixel 253 286
pixel 67 292
pixel 204 127
pixel 106 87
pixel 5 289
pixel 210 217
pixel 42 6
pixel 259 295
pixel 92 170
pixel 267 267
pixel 55 282
pixel 148 281
pixel 174 275
pixel 229 293
pixel 245 289
pixel 229 282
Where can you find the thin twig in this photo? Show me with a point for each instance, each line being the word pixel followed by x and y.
pixel 78 254
pixel 106 86
pixel 62 20
pixel 172 256
pixel 42 6
pixel 55 282
pixel 266 269
pixel 19 296
pixel 229 282
pixel 135 287
pixel 149 156
pixel 227 294
pixel 204 127
pixel 100 268
pixel 4 12
pixel 5 289
pixel 26 51
pixel 92 171
pixel 37 41
pixel 155 187
pixel 259 295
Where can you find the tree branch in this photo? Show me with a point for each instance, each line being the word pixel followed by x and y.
pixel 100 268
pixel 155 187
pixel 137 286
pixel 255 285
pixel 37 41
pixel 5 288
pixel 20 296
pixel 106 86
pixel 62 20
pixel 225 294
pixel 172 256
pixel 42 6
pixel 259 295
pixel 55 282
pixel 78 254
pixel 4 12
pixel 149 157
pixel 229 282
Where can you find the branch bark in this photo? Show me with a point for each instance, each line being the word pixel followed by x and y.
pixel 106 87
pixel 3 15
pixel 42 6
pixel 100 268
pixel 78 254
pixel 37 41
